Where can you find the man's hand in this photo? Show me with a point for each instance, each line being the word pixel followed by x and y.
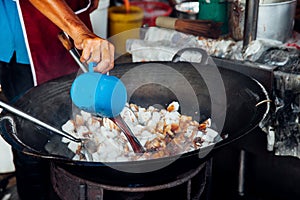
pixel 97 50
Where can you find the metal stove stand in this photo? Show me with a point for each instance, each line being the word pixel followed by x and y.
pixel 191 185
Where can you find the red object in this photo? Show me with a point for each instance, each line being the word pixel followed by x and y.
pixel 152 9
pixel 293 45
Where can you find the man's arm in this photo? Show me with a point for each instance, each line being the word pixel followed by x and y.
pixel 94 48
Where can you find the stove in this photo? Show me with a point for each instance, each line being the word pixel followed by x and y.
pixel 193 184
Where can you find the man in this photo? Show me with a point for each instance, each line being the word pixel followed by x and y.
pixel 47 57
pixel 31 54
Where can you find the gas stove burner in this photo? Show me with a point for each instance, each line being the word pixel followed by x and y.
pixel 288 60
pixel 193 184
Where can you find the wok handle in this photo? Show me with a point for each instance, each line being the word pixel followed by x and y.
pixel 204 59
pixel 8 132
pixel 36 121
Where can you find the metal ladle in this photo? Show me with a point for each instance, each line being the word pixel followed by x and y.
pixel 118 120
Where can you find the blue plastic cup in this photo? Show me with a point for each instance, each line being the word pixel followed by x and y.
pixel 99 94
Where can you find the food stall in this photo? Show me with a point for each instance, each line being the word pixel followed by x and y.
pixel 248 85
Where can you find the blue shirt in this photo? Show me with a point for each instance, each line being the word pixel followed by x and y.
pixel 11 35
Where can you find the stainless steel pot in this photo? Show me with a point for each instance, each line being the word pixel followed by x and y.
pixel 275 19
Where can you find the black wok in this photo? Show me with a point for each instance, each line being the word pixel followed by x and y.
pixel 234 115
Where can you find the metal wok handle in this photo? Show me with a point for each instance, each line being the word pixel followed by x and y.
pixel 8 132
pixel 204 59
pixel 36 121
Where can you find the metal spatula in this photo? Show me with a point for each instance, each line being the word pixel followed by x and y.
pixel 89 145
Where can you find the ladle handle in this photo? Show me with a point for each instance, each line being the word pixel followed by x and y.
pixel 36 121
pixel 64 39
pixel 134 142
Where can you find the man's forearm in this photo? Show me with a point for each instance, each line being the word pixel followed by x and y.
pixel 62 15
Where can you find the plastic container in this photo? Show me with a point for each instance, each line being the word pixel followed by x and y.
pixel 99 19
pixel 120 20
pixel 152 9
pixel 215 10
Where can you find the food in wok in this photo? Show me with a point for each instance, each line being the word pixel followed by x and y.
pixel 162 132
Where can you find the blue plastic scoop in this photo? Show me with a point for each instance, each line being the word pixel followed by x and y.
pixel 99 93
pixel 93 92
